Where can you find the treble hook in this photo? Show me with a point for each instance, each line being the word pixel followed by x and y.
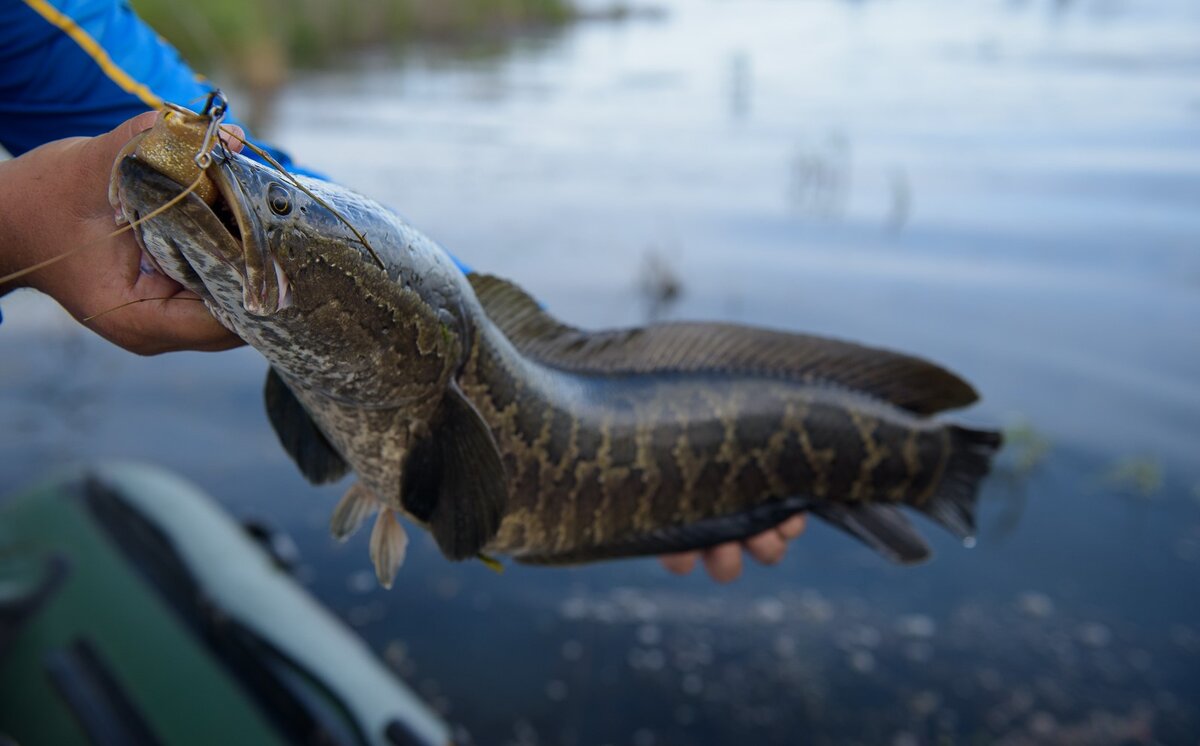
pixel 215 108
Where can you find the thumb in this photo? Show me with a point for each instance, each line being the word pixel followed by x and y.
pixel 106 146
pixel 130 127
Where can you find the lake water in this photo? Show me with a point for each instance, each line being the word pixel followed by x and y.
pixel 1008 188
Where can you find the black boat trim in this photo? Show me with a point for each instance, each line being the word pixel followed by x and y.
pixel 96 698
pixel 282 688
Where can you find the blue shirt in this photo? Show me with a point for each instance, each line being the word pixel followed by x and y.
pixel 81 67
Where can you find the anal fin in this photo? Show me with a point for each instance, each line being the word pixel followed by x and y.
pixel 700 534
pixel 881 527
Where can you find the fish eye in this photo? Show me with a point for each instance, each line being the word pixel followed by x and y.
pixel 277 200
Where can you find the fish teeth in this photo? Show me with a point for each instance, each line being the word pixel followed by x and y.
pixel 285 287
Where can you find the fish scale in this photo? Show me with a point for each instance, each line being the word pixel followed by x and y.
pixel 467 409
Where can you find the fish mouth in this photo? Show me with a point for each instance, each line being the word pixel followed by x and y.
pixel 227 232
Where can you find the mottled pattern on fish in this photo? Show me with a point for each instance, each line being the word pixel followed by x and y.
pixel 594 462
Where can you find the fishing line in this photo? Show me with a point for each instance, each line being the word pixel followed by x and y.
pixel 129 226
pixel 86 319
pixel 296 183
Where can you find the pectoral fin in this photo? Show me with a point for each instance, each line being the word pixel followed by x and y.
pixel 299 435
pixel 454 479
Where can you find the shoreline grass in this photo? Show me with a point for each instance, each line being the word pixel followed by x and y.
pixel 257 43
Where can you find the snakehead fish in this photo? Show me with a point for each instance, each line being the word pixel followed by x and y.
pixel 464 407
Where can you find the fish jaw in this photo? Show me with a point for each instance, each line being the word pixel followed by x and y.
pixel 187 241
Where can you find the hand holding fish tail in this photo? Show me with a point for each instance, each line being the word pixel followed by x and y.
pixel 53 202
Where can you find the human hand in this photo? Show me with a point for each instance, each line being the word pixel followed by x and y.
pixel 724 561
pixel 55 199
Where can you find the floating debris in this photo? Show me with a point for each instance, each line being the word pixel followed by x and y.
pixel 785 646
pixel 916 625
pixel 1095 635
pixel 556 690
pixel 362 581
pixel 859 636
pixel 918 652
pixel 365 614
pixel 900 205
pixel 1036 605
pixel 572 650
pixel 644 737
pixel 862 661
pixel 924 703
pixel 1042 724
pixel 524 734
pixel 396 653
pixel 1139 476
pixel 685 714
pixel 770 610
pixel 649 634
pixel 659 283
pixel 1028 446
pixel 819 178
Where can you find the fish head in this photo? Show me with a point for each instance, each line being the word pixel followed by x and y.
pixel 279 266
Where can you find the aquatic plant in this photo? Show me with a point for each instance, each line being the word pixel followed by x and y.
pixel 1027 447
pixel 1139 476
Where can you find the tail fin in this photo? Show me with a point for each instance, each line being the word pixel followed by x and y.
pixel 952 505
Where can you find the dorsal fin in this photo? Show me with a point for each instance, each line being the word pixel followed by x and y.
pixel 905 381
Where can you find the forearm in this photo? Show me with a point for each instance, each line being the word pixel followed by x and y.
pixel 36 211
pixel 16 253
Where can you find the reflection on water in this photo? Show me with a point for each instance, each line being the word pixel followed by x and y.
pixel 1008 188
pixel 819 180
pixel 659 283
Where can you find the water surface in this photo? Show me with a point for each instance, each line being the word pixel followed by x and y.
pixel 1008 188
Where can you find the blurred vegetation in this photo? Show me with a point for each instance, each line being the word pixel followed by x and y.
pixel 256 42
pixel 1138 476
pixel 1028 446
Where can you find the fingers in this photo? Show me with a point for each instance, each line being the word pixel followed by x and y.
pixel 134 126
pixel 233 136
pixel 188 325
pixel 679 564
pixel 724 562
pixel 792 527
pixel 768 547
pixel 179 321
pixel 105 146
pixel 152 315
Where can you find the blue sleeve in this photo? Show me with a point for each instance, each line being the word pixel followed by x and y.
pixel 81 67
